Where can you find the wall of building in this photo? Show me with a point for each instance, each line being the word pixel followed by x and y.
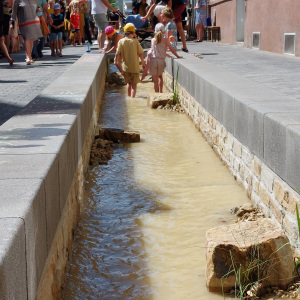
pixel 272 19
pixel 224 14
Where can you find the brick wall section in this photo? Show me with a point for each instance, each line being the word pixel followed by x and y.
pixel 267 190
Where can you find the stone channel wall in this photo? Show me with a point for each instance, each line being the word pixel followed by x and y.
pixel 245 125
pixel 44 157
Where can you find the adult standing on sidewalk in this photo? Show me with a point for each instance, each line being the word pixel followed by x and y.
pixel 200 21
pixel 178 7
pixel 99 12
pixel 29 24
pixel 2 42
pixel 44 13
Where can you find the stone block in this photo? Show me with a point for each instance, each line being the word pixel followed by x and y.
pixel 265 197
pixel 248 127
pixel 13 282
pixel 115 135
pixel 294 198
pixel 267 177
pixel 290 225
pixel 53 210
pixel 157 99
pixel 260 242
pixel 281 195
pixel 27 202
pixel 275 145
pixel 255 185
pixel 237 148
pixel 26 168
pixel 67 163
pixel 247 156
pixel 276 210
pixel 292 156
pixel 27 135
pixel 256 167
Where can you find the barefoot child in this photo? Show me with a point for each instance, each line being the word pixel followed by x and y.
pixel 129 51
pixel 157 54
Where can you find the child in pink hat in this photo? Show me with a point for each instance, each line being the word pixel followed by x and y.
pixel 113 38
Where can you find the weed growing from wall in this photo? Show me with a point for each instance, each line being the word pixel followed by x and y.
pixel 176 92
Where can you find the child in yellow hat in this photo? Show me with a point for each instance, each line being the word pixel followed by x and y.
pixel 127 57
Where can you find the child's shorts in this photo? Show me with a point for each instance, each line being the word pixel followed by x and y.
pixel 131 77
pixel 75 30
pixel 157 66
pixel 54 36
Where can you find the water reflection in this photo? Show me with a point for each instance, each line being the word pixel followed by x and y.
pixel 142 229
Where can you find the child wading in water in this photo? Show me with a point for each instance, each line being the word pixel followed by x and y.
pixel 156 57
pixel 129 51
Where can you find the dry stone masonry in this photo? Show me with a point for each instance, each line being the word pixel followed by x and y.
pixel 264 187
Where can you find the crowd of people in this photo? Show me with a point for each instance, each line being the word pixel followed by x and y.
pixel 129 51
pixel 32 23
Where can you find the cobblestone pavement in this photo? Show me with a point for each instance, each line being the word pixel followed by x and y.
pixel 20 83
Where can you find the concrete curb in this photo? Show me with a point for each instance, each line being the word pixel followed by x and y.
pixel 40 151
pixel 261 118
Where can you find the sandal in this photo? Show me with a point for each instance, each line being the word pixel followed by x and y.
pixel 184 49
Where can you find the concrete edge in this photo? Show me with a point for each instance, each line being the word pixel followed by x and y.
pixel 45 140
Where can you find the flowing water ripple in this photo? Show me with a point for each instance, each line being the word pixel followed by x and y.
pixel 142 227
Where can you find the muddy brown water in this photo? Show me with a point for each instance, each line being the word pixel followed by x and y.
pixel 142 227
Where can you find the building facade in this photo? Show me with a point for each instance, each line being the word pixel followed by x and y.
pixel 267 25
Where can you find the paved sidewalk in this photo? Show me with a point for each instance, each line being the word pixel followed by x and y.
pixel 277 71
pixel 21 83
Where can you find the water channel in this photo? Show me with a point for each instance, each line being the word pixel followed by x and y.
pixel 142 227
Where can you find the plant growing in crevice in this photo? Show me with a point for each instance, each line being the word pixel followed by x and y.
pixel 246 276
pixel 176 92
pixel 298 223
pixel 250 272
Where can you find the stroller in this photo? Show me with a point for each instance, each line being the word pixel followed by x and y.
pixel 143 34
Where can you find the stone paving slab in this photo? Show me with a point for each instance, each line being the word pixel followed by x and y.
pixel 21 83
pixel 277 71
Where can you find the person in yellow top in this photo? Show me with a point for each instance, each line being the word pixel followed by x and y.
pixel 51 7
pixel 128 52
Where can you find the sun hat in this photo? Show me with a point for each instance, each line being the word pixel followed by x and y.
pixel 129 27
pixel 158 9
pixel 110 31
pixel 56 6
pixel 160 27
